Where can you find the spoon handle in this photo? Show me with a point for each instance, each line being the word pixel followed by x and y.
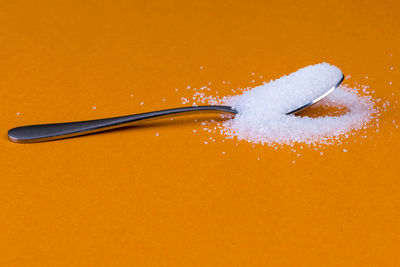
pixel 54 131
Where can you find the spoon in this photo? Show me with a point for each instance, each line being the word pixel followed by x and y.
pixel 54 131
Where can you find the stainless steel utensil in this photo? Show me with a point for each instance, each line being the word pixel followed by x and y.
pixel 54 131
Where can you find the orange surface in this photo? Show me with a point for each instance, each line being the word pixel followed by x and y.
pixel 130 198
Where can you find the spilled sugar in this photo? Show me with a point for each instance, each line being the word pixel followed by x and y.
pixel 281 128
pixel 262 110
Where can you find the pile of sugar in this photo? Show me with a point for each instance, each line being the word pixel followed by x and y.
pixel 287 93
pixel 262 110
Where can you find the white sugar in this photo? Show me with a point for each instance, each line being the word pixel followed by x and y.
pixel 280 128
pixel 289 92
pixel 262 110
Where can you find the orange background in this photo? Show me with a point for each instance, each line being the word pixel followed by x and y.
pixel 130 198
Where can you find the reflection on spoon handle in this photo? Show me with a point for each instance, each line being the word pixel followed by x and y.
pixel 54 131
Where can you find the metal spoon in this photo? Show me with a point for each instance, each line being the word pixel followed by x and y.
pixel 54 131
